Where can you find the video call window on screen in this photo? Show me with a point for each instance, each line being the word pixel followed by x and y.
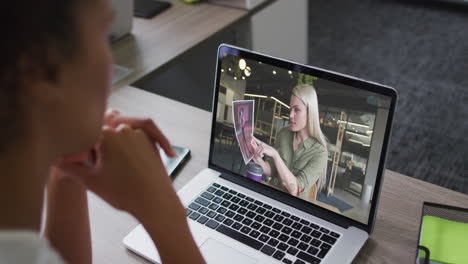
pixel 312 138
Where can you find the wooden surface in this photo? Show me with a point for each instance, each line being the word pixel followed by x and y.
pixel 155 42
pixel 395 234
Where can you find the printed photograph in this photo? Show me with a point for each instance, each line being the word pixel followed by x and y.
pixel 242 112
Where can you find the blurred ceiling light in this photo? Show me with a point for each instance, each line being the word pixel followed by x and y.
pixel 353 124
pixel 278 101
pixel 255 95
pixel 356 134
pixel 274 72
pixel 359 142
pixel 290 72
pixel 222 70
pixel 243 77
pixel 247 71
pixel 242 64
pixel 230 69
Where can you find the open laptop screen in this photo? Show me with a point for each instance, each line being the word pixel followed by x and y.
pixel 309 137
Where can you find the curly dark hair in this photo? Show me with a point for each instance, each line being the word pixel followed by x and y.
pixel 38 35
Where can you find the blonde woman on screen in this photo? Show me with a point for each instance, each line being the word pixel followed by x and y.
pixel 298 161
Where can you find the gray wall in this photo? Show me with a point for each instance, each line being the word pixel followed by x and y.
pixel 281 30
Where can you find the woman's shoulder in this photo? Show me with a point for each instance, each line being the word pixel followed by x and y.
pixel 284 135
pixel 315 145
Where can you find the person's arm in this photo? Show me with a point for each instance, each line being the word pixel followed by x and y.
pixel 264 164
pixel 129 174
pixel 169 230
pixel 258 157
pixel 67 223
pixel 287 178
pixel 312 171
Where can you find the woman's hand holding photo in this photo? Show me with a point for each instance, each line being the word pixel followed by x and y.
pixel 262 149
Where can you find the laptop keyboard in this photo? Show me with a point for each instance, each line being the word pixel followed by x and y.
pixel 274 232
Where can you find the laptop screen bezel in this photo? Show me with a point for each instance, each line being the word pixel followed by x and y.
pixel 296 202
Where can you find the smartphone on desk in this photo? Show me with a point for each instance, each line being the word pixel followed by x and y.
pixel 172 164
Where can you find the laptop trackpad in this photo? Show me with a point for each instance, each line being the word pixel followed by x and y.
pixel 216 252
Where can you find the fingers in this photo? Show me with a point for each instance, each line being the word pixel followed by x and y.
pixel 259 151
pixel 257 159
pixel 111 111
pixel 122 127
pixel 254 143
pixel 110 115
pixel 119 138
pixel 155 134
pixel 257 141
pixel 257 144
pixel 114 119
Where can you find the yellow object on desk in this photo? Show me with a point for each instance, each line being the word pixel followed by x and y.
pixel 446 240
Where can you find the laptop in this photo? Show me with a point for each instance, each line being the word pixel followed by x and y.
pixel 313 202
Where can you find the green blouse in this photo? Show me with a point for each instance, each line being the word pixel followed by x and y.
pixel 307 163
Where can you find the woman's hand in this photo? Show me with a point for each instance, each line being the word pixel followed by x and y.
pixel 128 172
pixel 262 149
pixel 259 161
pixel 113 118
pixel 127 148
pixel 67 216
pixel 259 153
